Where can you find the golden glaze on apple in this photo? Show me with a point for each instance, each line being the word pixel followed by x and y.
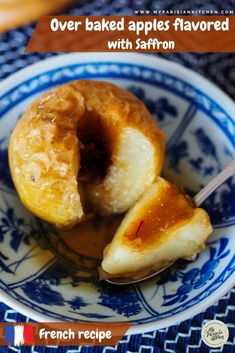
pixel 84 145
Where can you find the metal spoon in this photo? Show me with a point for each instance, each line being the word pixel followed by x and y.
pixel 198 200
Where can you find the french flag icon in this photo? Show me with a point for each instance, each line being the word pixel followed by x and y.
pixel 18 335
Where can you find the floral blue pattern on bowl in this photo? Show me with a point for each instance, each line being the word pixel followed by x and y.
pixel 41 276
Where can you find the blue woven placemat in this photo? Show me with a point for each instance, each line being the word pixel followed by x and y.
pixel 220 69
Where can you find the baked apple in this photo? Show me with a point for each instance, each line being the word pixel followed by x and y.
pixel 160 228
pixel 85 145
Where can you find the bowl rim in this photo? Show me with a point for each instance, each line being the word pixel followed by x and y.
pixel 175 319
pixel 150 61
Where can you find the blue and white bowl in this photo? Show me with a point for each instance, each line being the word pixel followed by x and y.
pixel 41 277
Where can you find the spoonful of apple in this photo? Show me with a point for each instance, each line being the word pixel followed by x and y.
pixel 197 200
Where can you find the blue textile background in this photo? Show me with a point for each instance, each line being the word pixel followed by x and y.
pixel 220 69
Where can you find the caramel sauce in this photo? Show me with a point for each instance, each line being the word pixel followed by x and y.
pixel 90 237
pixel 162 213
pixel 95 147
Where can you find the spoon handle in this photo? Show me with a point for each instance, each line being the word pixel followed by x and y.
pixel 214 184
